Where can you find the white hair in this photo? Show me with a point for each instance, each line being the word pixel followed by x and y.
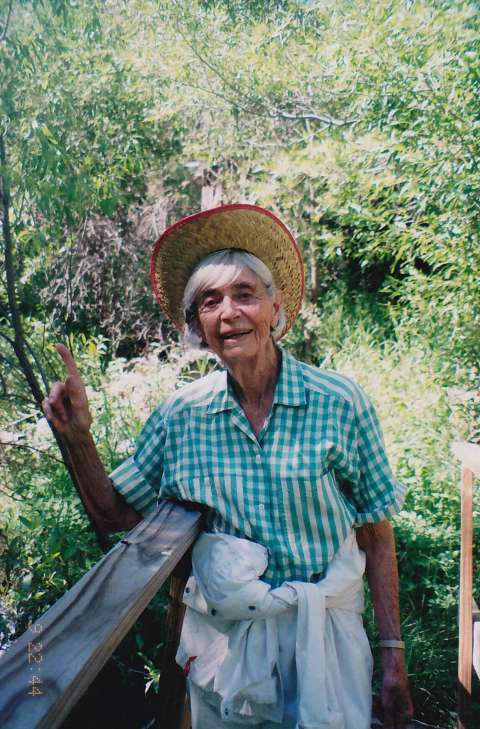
pixel 220 269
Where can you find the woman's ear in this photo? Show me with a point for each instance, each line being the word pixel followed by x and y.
pixel 199 333
pixel 277 302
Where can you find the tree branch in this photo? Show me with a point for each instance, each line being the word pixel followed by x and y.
pixel 10 496
pixel 7 22
pixel 19 339
pixel 18 399
pixel 275 112
pixel 7 339
pixel 4 385
pixel 19 213
pixel 26 446
pixel 43 374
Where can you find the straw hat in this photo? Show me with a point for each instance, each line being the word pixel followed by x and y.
pixel 248 227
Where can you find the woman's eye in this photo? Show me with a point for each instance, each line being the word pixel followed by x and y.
pixel 245 297
pixel 209 304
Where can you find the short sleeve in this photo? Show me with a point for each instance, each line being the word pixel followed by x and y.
pixel 150 450
pixel 128 480
pixel 138 478
pixel 370 483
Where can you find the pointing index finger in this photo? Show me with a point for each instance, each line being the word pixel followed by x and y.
pixel 68 360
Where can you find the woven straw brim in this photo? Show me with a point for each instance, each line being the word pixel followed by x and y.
pixel 249 227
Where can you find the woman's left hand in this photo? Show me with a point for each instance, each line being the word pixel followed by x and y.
pixel 395 696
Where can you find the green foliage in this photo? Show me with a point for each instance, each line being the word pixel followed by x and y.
pixel 366 144
pixel 80 141
pixel 49 542
pixel 76 123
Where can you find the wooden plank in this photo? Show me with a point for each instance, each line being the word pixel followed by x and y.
pixel 171 696
pixel 465 638
pixel 468 454
pixel 78 634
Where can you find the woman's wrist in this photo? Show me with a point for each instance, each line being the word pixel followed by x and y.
pixel 78 439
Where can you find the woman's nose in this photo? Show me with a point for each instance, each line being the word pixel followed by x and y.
pixel 228 308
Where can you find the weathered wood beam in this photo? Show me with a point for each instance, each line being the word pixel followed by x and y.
pixel 69 644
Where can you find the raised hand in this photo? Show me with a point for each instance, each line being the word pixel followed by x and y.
pixel 67 405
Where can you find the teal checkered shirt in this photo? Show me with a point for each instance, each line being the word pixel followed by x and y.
pixel 317 468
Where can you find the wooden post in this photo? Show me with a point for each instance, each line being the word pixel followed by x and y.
pixel 171 699
pixel 469 456
pixel 465 639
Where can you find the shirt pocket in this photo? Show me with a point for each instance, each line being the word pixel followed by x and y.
pixel 301 456
pixel 314 517
pixel 234 511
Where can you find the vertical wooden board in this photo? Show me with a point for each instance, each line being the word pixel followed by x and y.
pixel 171 695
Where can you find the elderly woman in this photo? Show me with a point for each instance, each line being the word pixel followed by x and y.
pixel 290 462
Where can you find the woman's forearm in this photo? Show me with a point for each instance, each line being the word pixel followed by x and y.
pixel 377 541
pixel 105 505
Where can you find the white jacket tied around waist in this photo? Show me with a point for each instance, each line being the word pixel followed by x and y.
pixel 230 637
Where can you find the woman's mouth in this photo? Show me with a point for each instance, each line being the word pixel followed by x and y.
pixel 234 335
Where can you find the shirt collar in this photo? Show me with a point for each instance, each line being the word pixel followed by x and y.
pixel 223 397
pixel 290 389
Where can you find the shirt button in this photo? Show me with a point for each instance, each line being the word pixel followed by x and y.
pixel 258 458
pixel 261 506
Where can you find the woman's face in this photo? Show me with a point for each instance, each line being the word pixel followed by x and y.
pixel 236 318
